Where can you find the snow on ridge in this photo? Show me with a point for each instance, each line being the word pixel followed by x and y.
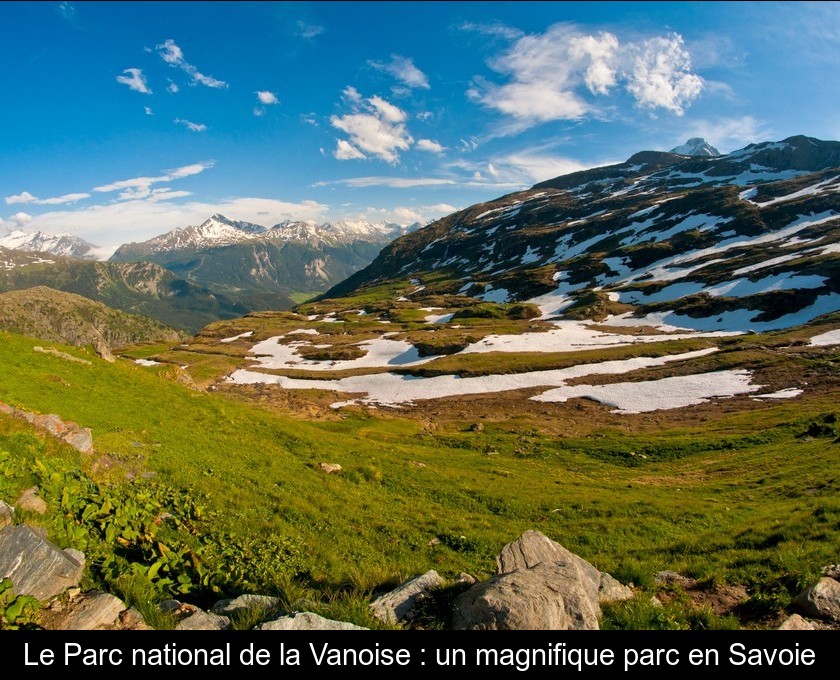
pixel 826 339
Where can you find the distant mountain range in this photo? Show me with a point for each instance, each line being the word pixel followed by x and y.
pixel 747 240
pixel 62 244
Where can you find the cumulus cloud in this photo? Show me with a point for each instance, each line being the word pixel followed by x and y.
pixel 430 145
pixel 192 127
pixel 172 88
pixel 141 187
pixel 266 97
pixel 558 75
pixel 404 70
pixel 375 128
pixel 21 218
pixel 135 80
pixel 174 56
pixel 22 197
pixel 345 151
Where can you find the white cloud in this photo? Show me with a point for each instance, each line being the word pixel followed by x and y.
pixel 141 187
pixel 309 31
pixel 309 118
pixel 404 215
pixel 139 219
pixel 404 70
pixel 60 200
pixel 148 111
pixel 727 134
pixel 345 151
pixel 135 80
pixel 375 127
pixel 430 145
pixel 550 75
pixel 425 115
pixel 174 56
pixel 390 182
pixel 192 127
pixel 469 144
pixel 497 29
pixel 661 75
pixel 21 218
pixel 492 170
pixel 172 88
pixel 266 97
pixel 22 197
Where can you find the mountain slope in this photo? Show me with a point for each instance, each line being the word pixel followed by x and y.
pixel 256 264
pixel 56 316
pixel 750 240
pixel 137 288
pixel 62 244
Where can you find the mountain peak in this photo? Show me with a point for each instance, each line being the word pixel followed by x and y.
pixel 63 244
pixel 696 146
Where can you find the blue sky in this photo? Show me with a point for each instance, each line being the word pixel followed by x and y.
pixel 120 121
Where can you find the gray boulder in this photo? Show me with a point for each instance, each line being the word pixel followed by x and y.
pixel 93 611
pixel 306 621
pixel 532 548
pixel 36 566
pixel 245 603
pixel 400 604
pixel 610 589
pixel 548 596
pixel 203 621
pixel 821 600
pixel 796 622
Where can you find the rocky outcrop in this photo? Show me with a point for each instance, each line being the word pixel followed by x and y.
pixel 80 438
pixel 35 566
pixel 61 355
pixel 245 603
pixel 400 604
pixel 201 620
pixel 540 586
pixel 821 600
pixel 306 621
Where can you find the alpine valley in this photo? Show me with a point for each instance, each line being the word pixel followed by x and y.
pixel 639 361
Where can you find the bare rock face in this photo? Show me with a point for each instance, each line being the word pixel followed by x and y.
pixel 400 604
pixel 821 600
pixel 36 566
pixel 203 621
pixel 93 611
pixel 796 622
pixel 548 596
pixel 245 603
pixel 306 621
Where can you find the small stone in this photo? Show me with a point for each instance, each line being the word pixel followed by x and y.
pixel 464 577
pixel 434 541
pixel 831 571
pixel 245 603
pixel 329 468
pixel 821 600
pixel 672 578
pixel 30 501
pixel 306 621
pixel 796 622
pixel 203 621
pixel 73 593
pixel 400 604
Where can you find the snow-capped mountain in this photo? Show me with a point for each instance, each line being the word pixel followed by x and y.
pixel 696 146
pixel 750 240
pixel 63 244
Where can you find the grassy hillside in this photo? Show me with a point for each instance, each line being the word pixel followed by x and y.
pixel 746 497
pixel 55 316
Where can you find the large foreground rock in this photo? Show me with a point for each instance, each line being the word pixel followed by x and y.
pixel 245 603
pixel 203 621
pixel 306 621
pixel 548 596
pixel 36 566
pixel 821 600
pixel 401 603
pixel 93 611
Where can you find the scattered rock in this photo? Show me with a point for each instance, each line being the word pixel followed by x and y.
pixel 93 611
pixel 7 514
pixel 245 603
pixel 656 602
pixel 417 464
pixel 30 501
pixel 464 577
pixel 821 600
pixel 329 468
pixel 71 433
pixel 796 622
pixel 400 604
pixel 203 621
pixel 131 619
pixel 476 427
pixel 61 355
pixel 612 590
pixel 434 541
pixel 672 578
pixel 36 566
pixel 547 596
pixel 831 571
pixel 306 621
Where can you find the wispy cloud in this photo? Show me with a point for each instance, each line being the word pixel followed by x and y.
pixel 308 31
pixel 404 70
pixel 174 56
pixel 192 127
pixel 404 215
pixel 375 127
pixel 22 197
pixel 496 30
pixel 141 187
pixel 67 10
pixel 390 182
pixel 148 110
pixel 727 134
pixel 555 75
pixel 430 145
pixel 135 80
pixel 172 88
pixel 25 197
